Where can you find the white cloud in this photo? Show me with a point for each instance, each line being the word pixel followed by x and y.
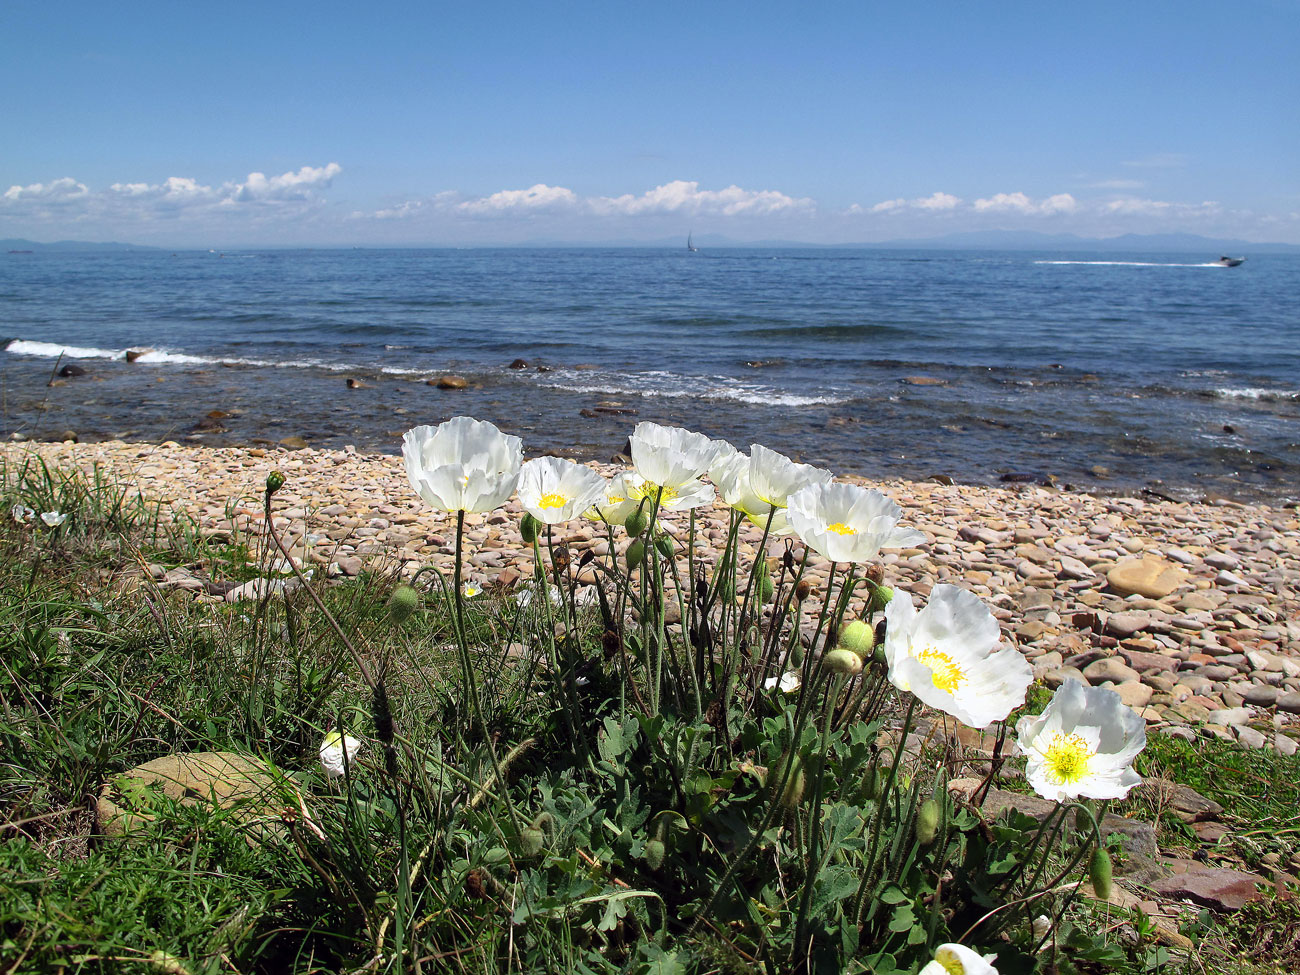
pixel 1006 201
pixel 685 196
pixel 679 197
pixel 286 186
pixel 536 197
pixel 1129 206
pixel 1019 203
pixel 134 202
pixel 65 190
pixel 935 202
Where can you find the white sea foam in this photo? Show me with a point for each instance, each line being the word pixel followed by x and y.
pixel 668 385
pixel 1257 393
pixel 51 350
pixel 1131 264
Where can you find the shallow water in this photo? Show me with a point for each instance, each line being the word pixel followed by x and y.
pixel 1114 373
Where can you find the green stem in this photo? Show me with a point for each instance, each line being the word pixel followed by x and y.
pixel 814 832
pixel 471 684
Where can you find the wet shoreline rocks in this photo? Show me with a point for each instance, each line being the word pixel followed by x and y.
pixel 1191 611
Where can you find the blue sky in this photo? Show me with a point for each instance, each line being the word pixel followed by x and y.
pixel 190 125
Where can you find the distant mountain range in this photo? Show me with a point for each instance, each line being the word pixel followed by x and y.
pixel 973 240
pixel 18 244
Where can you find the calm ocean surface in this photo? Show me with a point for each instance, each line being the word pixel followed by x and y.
pixel 1106 372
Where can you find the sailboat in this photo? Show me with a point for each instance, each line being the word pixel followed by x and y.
pixel 689 246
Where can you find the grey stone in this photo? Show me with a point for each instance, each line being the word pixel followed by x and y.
pixel 1230 716
pixel 1261 695
pixel 1135 836
pixel 1109 669
pixel 1123 625
pixel 1289 703
pixel 1251 737
pixel 1216 672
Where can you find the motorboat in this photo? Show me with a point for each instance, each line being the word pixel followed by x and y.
pixel 1229 261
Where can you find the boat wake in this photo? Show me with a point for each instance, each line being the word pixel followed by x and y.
pixel 1132 264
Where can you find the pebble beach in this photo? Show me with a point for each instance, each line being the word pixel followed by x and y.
pixel 1190 610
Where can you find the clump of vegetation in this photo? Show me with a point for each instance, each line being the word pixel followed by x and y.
pixel 647 760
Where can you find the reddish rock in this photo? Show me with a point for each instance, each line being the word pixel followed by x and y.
pixel 1218 888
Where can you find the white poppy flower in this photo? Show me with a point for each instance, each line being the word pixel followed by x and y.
pixel 553 595
pixel 764 491
pixel 948 656
pixel 787 682
pixel 1083 744
pixel 847 523
pixel 955 959
pixel 463 464
pixel 616 504
pixel 553 490
pixel 730 474
pixel 682 497
pixel 671 457
pixel 22 514
pixel 337 752
pixel 469 590
pixel 53 518
pixel 723 456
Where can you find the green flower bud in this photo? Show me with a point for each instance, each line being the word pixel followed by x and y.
pixel 858 637
pixel 636 523
pixel 528 528
pixel 531 841
pixel 796 655
pixel 1099 872
pixel 654 853
pixel 880 597
pixel 665 546
pixel 927 822
pixel 791 794
pixel 635 554
pixel 843 662
pixel 871 784
pixel 274 481
pixel 402 604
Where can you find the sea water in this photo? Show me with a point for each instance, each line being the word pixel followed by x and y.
pixel 1112 372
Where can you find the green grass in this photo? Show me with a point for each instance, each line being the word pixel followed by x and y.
pixel 102 670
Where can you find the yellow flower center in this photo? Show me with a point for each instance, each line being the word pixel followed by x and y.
pixel 667 495
pixel 839 528
pixel 552 501
pixel 949 962
pixel 1067 758
pixel 946 673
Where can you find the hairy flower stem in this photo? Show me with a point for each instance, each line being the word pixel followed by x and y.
pixel 543 593
pixel 1083 848
pixel 885 792
pixel 813 867
pixel 1051 819
pixel 471 683
pixel 805 698
pixel 774 806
